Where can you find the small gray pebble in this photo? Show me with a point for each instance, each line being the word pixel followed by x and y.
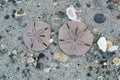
pixel 99 18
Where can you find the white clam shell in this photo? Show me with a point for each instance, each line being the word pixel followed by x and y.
pixel 102 44
pixel 71 13
pixel 113 48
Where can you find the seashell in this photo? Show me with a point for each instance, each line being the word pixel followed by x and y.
pixel 113 48
pixel 109 44
pixel 70 12
pixel 20 13
pixel 36 35
pixel 102 44
pixel 75 38
pixel 60 57
pixel 116 61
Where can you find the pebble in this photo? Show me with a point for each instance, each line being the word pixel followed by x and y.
pixel 107 54
pixel 51 40
pixel 118 17
pixel 60 57
pixel 47 70
pixel 41 55
pixel 78 3
pixel 14 52
pixel 7 17
pixel 100 78
pixel 111 6
pixel 99 18
pixel 40 65
pixel 119 77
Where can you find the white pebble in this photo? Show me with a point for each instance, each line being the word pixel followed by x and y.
pixel 51 40
pixel 100 78
pixel 119 77
pixel 14 52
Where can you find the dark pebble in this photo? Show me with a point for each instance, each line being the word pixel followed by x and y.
pixel 88 5
pixel 26 72
pixel 40 65
pixel 88 74
pixel 41 55
pixel 4 51
pixel 78 4
pixel 14 3
pixel 118 17
pixel 14 11
pixel 99 18
pixel 107 54
pixel 111 6
pixel 7 17
pixel 60 14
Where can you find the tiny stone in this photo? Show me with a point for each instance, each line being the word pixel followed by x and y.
pixel 119 77
pixel 41 55
pixel 107 54
pixel 88 5
pixel 78 4
pixel 100 78
pixel 118 17
pixel 88 74
pixel 111 6
pixel 51 40
pixel 7 17
pixel 60 57
pixel 40 65
pixel 14 52
pixel 99 18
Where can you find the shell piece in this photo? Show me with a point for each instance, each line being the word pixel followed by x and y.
pixel 70 12
pixel 60 57
pixel 36 35
pixel 20 13
pixel 116 61
pixel 75 38
pixel 109 44
pixel 102 44
pixel 113 48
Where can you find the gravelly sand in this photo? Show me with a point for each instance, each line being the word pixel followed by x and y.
pixel 15 67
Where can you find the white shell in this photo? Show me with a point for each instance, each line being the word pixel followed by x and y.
pixel 70 12
pixel 102 44
pixel 113 48
pixel 19 15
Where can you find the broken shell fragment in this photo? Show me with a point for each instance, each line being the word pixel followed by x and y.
pixel 102 44
pixel 113 48
pixel 116 61
pixel 70 12
pixel 109 44
pixel 20 13
pixel 60 57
